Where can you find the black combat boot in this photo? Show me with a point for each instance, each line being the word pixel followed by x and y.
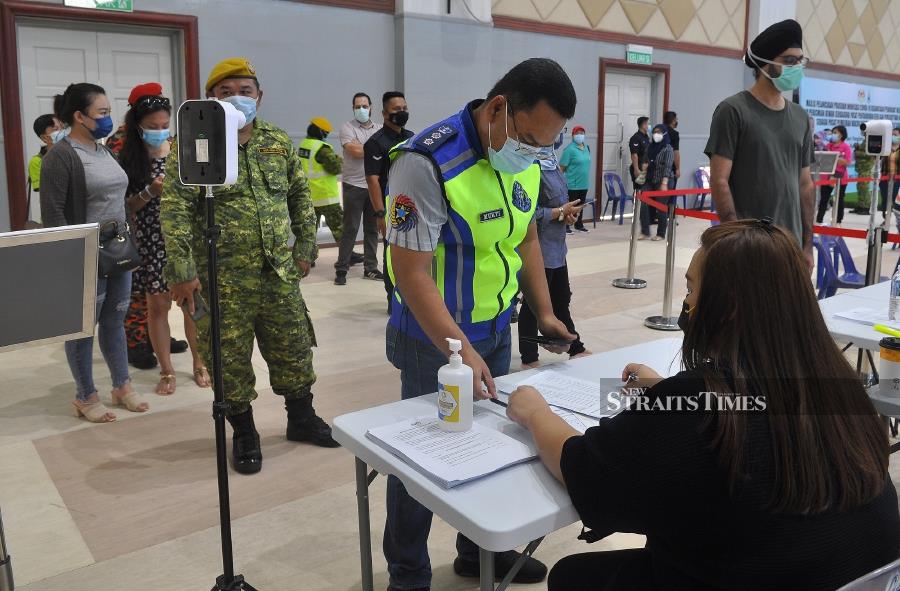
pixel 304 425
pixel 245 452
pixel 142 357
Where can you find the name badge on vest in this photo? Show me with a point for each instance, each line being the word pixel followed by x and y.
pixel 279 151
pixel 488 216
pixel 303 152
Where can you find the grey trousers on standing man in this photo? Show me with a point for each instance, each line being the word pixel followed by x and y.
pixel 357 207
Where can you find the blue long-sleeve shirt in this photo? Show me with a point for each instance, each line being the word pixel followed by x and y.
pixel 554 193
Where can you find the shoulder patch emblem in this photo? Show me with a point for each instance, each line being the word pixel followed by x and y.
pixel 274 150
pixel 520 197
pixel 404 215
pixel 435 137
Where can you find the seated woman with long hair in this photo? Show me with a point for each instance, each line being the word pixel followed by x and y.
pixel 793 493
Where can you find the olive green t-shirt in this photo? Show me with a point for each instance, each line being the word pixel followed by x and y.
pixel 768 149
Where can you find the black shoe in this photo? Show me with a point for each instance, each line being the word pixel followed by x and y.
pixel 581 229
pixel 340 278
pixel 176 346
pixel 356 258
pixel 246 455
pixel 305 425
pixel 142 357
pixel 374 275
pixel 533 571
pixel 568 230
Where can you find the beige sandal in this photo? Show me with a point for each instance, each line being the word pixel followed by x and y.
pixel 168 380
pixel 95 412
pixel 130 400
pixel 201 377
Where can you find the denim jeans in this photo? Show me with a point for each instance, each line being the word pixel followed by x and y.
pixel 408 522
pixel 113 299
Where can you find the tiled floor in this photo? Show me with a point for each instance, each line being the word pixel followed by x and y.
pixel 132 506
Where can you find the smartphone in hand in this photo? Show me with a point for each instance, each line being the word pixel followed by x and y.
pixel 200 307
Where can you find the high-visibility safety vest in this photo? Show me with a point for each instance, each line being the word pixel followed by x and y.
pixel 476 264
pixel 323 187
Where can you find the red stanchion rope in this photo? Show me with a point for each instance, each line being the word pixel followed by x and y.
pixel 649 198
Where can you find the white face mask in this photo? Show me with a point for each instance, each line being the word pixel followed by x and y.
pixel 657 137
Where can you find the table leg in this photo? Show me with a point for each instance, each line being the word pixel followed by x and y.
pixel 365 532
pixel 486 560
pixel 529 551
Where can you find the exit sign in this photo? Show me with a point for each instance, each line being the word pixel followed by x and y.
pixel 118 5
pixel 639 54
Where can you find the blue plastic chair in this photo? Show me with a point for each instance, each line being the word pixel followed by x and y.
pixel 702 181
pixel 615 195
pixel 886 577
pixel 833 253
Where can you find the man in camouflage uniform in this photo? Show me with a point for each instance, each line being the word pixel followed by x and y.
pixel 321 166
pixel 865 166
pixel 258 271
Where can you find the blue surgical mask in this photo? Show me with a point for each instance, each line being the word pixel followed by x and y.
pixel 244 104
pixel 361 114
pixel 104 127
pixel 58 135
pixel 154 137
pixel 548 161
pixel 895 140
pixel 790 78
pixel 829 137
pixel 514 157
pixel 579 138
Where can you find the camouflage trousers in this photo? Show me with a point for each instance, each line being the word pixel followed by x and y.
pixel 864 190
pixel 258 304
pixel 334 219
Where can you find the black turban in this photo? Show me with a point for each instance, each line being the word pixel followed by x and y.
pixel 773 41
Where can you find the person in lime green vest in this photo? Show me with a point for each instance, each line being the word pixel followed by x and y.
pixel 322 165
pixel 462 242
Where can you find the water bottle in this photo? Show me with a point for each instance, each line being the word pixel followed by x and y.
pixel 895 295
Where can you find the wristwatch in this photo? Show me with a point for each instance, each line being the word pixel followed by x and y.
pixel 381 214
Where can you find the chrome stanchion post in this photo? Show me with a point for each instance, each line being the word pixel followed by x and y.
pixel 6 576
pixel 667 321
pixel 835 197
pixel 630 282
pixel 875 235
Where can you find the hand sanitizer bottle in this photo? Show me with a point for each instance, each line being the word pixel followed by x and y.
pixel 455 399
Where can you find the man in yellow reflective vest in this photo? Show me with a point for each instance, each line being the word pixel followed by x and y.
pixel 322 165
pixel 462 242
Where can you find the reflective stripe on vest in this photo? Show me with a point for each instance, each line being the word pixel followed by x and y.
pixel 476 264
pixel 323 187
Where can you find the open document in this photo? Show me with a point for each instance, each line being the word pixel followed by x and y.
pixel 574 394
pixel 868 316
pixel 451 459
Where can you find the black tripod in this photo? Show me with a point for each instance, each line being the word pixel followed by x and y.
pixel 227 581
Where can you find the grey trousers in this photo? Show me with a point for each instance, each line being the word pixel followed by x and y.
pixel 358 208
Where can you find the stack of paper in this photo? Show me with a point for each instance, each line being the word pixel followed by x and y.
pixel 868 316
pixel 451 459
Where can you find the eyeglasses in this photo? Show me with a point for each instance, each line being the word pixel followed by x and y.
pixel 538 152
pixel 149 102
pixel 790 60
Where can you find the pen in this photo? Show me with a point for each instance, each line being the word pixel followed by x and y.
pixel 500 402
pixel 886 330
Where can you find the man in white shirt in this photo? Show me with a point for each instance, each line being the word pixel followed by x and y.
pixel 353 136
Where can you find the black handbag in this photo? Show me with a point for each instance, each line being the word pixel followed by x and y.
pixel 118 252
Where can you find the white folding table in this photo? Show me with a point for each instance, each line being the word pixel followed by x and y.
pixel 515 507
pixel 863 336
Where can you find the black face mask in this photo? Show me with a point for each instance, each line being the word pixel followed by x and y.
pixel 399 118
pixel 685 317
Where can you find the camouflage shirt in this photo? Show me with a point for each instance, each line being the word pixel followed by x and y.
pixel 330 161
pixel 257 215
